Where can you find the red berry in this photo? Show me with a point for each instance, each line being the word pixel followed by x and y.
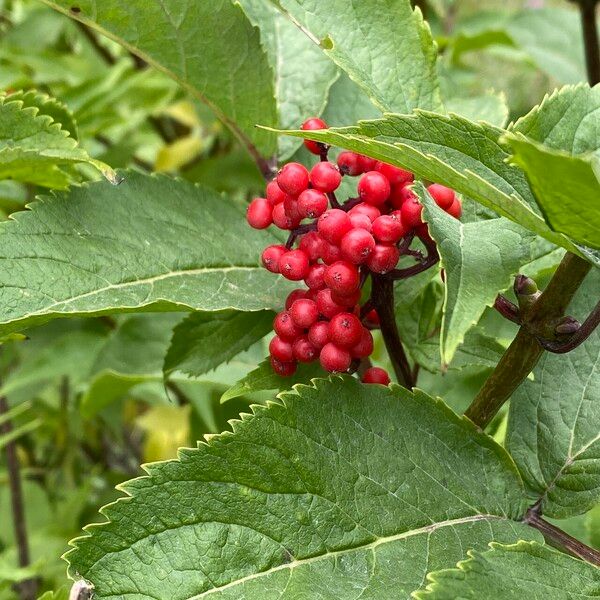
pixel 282 220
pixel 372 317
pixel 325 177
pixel 367 163
pixel 260 213
pixel 376 375
pixel 345 330
pixel 304 312
pixel 281 350
pixel 315 279
pixel 348 301
pixel 374 188
pixel 290 206
pixel 395 175
pixel 333 225
pixel 327 306
pixel 342 278
pixel 383 258
pixel 330 253
pixel 271 255
pixel 275 194
pixel 312 203
pixel 443 196
pixel 360 221
pixel 293 179
pixel 388 229
pixel 455 209
pixel 366 209
pixel 283 369
pixel 312 244
pixel 292 297
pixel 304 351
pixel 312 125
pixel 318 334
pixel 422 232
pixel 335 359
pixel 293 265
pixel 364 347
pixel 350 163
pixel 285 328
pixel 357 246
pixel 411 213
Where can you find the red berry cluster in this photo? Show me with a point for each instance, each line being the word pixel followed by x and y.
pixel 338 248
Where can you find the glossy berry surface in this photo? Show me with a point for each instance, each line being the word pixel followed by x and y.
pixel 376 375
pixel 293 179
pixel 304 313
pixel 325 177
pixel 335 359
pixel 345 330
pixel 443 196
pixel 271 256
pixel 374 188
pixel 294 265
pixel 259 214
pixel 357 245
pixel 312 203
pixel 342 277
pixel 312 125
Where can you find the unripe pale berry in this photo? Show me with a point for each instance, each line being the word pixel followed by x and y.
pixel 312 203
pixel 312 244
pixel 293 178
pixel 342 277
pixel 281 349
pixel 327 306
pixel 283 369
pixel 364 347
pixel 304 351
pixel 333 225
pixel 292 297
pixel 357 246
pixel 374 188
pixel 335 359
pixel 395 175
pixel 325 177
pixel 285 328
pixel 275 194
pixel 315 279
pixel 271 255
pixel 383 259
pixel 312 125
pixel 455 209
pixel 376 375
pixel 260 213
pixel 411 213
pixel 388 229
pixel 318 334
pixel 345 330
pixel 304 312
pixel 443 196
pixel 349 163
pixel 293 265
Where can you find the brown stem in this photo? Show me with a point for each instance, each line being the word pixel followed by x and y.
pixel 426 263
pixel 523 354
pixel 382 296
pixel 559 539
pixel 590 37
pixel 27 588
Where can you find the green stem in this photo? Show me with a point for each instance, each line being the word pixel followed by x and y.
pixel 523 354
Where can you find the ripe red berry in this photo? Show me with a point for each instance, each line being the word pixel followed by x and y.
pixel 304 351
pixel 376 375
pixel 342 278
pixel 395 175
pixel 374 188
pixel 455 209
pixel 281 350
pixel 271 255
pixel 290 206
pixel 388 229
pixel 275 194
pixel 325 177
pixel 345 330
pixel 285 328
pixel 422 232
pixel 330 253
pixel 350 163
pixel 333 225
pixel 282 220
pixel 443 196
pixel 411 213
pixel 312 203
pixel 283 369
pixel 260 213
pixel 293 265
pixel 293 179
pixel 335 359
pixel 318 334
pixel 383 259
pixel 367 163
pixel 312 125
pixel 360 221
pixel 327 306
pixel 315 279
pixel 364 347
pixel 357 246
pixel 292 297
pixel 304 312
pixel 366 209
pixel 312 244
pixel 348 301
pixel 372 318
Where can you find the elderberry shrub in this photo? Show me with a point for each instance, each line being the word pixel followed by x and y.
pixel 338 247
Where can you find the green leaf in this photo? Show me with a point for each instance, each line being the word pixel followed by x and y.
pixel 383 46
pixel 348 103
pixel 330 489
pixel 566 187
pixel 212 50
pixel 151 243
pixel 555 420
pixel 455 152
pixel 18 432
pixel 303 74
pixel 34 147
pixel 480 260
pixel 490 108
pixel 522 570
pixel 203 341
